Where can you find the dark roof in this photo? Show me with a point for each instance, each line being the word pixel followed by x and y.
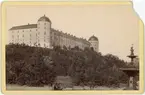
pixel 44 18
pixel 93 38
pixel 24 27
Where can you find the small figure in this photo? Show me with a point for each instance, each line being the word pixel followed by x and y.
pixel 132 50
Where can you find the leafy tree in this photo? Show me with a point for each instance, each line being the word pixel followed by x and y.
pixel 36 66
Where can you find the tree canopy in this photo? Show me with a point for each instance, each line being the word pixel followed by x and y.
pixel 36 66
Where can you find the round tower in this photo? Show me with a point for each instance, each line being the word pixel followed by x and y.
pixel 94 43
pixel 43 32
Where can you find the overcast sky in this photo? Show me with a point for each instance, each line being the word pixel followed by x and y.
pixel 116 26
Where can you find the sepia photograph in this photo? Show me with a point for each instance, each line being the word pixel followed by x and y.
pixel 72 47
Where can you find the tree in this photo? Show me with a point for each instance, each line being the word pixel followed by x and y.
pixel 36 66
pixel 92 48
pixel 56 48
pixel 64 47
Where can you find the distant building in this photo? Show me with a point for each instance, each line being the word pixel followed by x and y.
pixel 42 35
pixel 94 43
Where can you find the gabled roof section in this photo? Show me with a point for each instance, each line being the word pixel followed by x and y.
pixel 24 27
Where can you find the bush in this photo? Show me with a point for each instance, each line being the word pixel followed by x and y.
pixel 35 66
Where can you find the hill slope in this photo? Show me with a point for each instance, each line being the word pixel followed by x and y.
pixel 34 66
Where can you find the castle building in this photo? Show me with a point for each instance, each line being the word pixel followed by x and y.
pixel 42 35
pixel 94 43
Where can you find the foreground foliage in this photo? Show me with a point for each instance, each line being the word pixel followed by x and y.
pixel 34 66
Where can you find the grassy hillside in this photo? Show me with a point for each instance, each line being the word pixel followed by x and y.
pixel 34 66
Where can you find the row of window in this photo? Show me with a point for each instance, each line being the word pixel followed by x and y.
pixel 30 35
pixel 44 25
pixel 34 44
pixel 56 42
pixel 45 45
pixel 30 40
pixel 22 31
pixel 39 27
pixel 41 23
pixel 66 40
pixel 56 39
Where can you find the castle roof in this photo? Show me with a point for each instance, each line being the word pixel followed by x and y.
pixel 44 18
pixel 24 27
pixel 93 38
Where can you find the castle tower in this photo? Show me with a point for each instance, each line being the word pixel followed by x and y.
pixel 43 32
pixel 94 43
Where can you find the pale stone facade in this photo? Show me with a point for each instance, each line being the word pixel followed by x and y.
pixel 94 43
pixel 42 35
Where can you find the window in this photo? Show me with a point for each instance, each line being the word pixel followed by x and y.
pixel 44 23
pixel 23 35
pixel 44 27
pixel 44 33
pixel 18 38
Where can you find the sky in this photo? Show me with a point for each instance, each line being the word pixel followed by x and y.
pixel 116 26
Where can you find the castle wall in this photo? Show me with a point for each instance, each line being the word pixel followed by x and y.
pixel 20 36
pixel 62 39
pixel 42 35
pixel 95 45
pixel 33 37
